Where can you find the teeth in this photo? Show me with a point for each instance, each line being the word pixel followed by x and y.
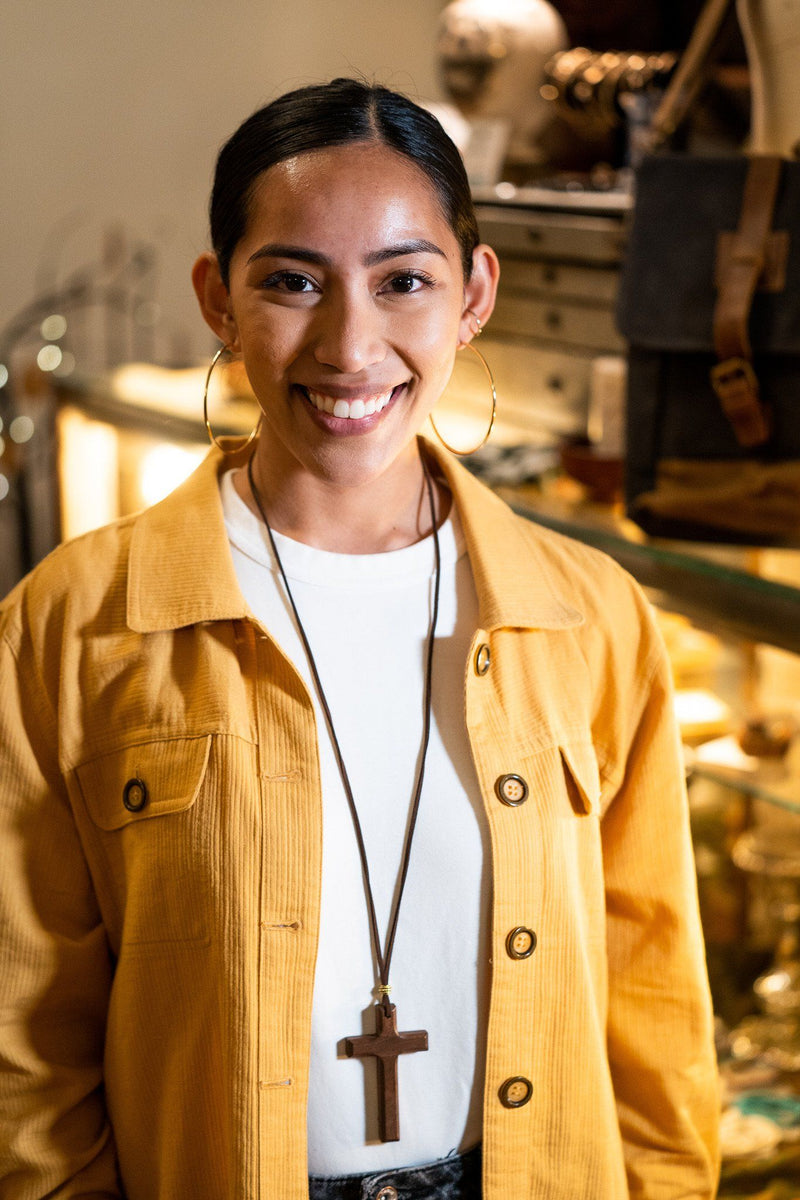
pixel 354 410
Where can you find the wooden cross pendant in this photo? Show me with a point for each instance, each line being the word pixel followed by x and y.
pixel 384 1045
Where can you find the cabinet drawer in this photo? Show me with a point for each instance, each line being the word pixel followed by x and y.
pixel 540 235
pixel 557 281
pixel 581 325
pixel 539 391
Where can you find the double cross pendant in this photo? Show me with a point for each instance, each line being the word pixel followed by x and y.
pixel 385 1045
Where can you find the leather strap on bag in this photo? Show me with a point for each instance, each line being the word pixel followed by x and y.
pixel 742 256
pixel 743 264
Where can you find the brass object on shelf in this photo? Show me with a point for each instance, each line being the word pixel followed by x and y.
pixel 595 85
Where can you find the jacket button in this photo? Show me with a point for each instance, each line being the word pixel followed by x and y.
pixel 134 794
pixel 511 789
pixel 515 1092
pixel 521 942
pixel 483 659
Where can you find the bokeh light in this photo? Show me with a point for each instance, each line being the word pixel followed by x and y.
pixel 164 468
pixel 66 366
pixel 21 429
pixel 53 327
pixel 49 357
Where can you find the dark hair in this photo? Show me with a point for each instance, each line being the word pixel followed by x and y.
pixel 333 114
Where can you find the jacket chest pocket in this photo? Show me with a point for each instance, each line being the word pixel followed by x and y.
pixel 576 830
pixel 581 777
pixel 146 812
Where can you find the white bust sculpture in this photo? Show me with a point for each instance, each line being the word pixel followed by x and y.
pixel 492 55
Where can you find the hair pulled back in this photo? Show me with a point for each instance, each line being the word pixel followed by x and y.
pixel 333 114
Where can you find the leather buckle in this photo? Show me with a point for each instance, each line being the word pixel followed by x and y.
pixel 736 385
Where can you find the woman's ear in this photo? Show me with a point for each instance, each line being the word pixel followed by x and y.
pixel 480 291
pixel 214 299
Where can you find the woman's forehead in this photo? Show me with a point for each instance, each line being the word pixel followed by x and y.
pixel 365 188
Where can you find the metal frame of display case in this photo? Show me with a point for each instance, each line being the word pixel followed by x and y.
pixel 727 599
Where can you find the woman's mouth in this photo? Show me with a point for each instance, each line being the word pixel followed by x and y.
pixel 352 410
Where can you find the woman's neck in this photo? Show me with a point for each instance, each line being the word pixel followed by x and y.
pixel 373 517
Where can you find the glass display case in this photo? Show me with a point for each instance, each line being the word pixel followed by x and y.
pixel 731 621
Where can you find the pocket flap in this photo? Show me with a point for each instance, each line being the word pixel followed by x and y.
pixel 582 776
pixel 150 779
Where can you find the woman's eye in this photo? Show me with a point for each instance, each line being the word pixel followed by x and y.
pixel 409 281
pixel 289 281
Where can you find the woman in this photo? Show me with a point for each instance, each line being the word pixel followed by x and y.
pixel 330 673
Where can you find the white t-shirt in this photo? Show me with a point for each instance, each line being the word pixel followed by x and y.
pixel 367 619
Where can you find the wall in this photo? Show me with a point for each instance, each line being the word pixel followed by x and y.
pixel 112 113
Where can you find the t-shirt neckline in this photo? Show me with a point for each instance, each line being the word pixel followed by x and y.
pixel 309 564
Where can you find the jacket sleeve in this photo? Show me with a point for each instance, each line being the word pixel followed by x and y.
pixel 55 969
pixel 660 1024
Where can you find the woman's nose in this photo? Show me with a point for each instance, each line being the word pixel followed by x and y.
pixel 349 335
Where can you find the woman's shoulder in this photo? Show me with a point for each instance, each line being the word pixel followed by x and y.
pixel 78 577
pixel 507 541
pixel 575 561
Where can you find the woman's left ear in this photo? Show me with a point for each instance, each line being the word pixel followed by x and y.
pixel 480 291
pixel 214 299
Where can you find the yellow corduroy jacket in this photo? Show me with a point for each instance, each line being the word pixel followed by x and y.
pixel 161 841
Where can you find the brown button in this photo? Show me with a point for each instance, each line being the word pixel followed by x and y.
pixel 521 942
pixel 515 1092
pixel 386 1193
pixel 134 794
pixel 483 659
pixel 511 789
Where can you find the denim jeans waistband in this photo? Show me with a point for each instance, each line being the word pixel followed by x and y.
pixel 457 1177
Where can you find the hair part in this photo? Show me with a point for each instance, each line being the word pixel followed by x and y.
pixel 335 114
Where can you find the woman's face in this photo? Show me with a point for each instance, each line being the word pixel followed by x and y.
pixel 347 302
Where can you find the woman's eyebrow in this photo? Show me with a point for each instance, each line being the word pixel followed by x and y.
pixel 303 254
pixel 278 250
pixel 414 246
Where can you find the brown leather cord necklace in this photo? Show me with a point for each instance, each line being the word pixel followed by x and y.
pixel 386 1044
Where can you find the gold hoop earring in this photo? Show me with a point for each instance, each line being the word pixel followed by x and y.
pixel 211 435
pixel 485 438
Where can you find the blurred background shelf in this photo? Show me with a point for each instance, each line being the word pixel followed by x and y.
pixel 741 593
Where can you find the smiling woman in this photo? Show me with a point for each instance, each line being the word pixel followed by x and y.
pixel 348 330
pixel 344 847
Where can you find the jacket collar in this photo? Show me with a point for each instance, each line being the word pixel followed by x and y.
pixel 181 571
pixel 509 563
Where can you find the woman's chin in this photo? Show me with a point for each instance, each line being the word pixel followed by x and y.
pixel 357 462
